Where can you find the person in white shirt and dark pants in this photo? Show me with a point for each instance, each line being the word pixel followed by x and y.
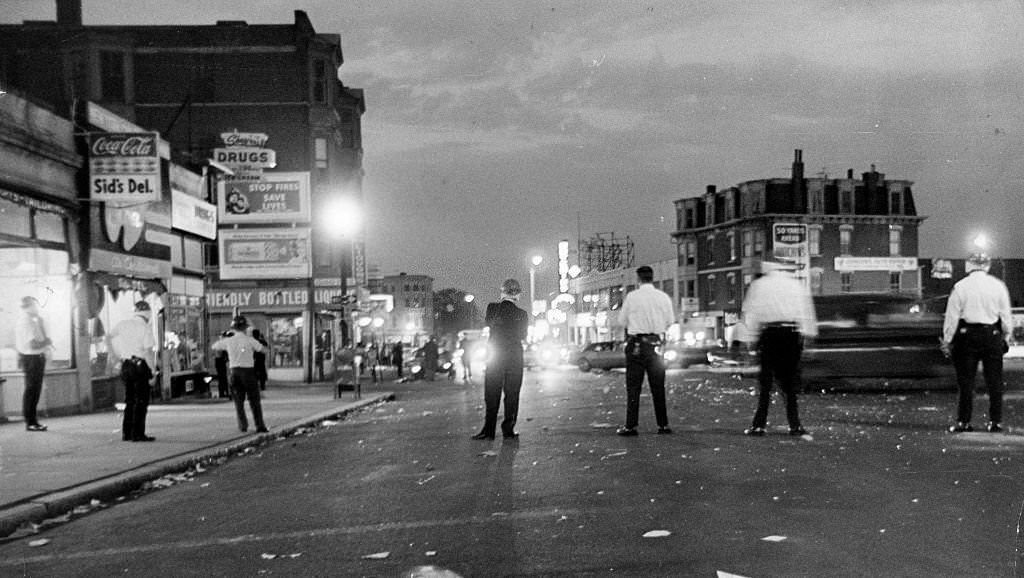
pixel 977 327
pixel 241 348
pixel 646 314
pixel 778 314
pixel 32 343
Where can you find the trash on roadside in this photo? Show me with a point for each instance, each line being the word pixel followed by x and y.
pixel 377 556
pixel 657 534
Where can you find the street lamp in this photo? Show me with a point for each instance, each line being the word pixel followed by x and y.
pixel 342 219
pixel 535 261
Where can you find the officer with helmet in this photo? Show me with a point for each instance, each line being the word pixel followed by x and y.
pixel 977 327
pixel 240 347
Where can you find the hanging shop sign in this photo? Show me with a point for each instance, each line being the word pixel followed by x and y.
pixel 265 253
pixel 124 167
pixel 274 198
pixel 193 215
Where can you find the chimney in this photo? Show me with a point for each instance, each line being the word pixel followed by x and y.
pixel 799 200
pixel 849 174
pixel 69 12
pixel 711 189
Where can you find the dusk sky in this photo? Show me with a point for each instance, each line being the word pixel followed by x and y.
pixel 494 129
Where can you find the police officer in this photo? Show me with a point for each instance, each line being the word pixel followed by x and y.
pixel 132 340
pixel 778 313
pixel 646 314
pixel 508 326
pixel 977 327
pixel 241 347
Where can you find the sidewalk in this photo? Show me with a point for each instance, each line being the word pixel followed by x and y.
pixel 82 457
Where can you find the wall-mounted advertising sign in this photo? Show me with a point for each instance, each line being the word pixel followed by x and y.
pixel 891 264
pixel 124 167
pixel 274 198
pixel 193 215
pixel 270 253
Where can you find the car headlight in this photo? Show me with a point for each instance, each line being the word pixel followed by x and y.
pixel 671 355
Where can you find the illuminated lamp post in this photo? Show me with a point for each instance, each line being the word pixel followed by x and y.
pixel 535 262
pixel 342 220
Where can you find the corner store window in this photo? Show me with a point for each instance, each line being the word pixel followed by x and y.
pixel 43 274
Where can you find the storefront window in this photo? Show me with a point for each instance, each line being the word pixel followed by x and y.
pixel 183 333
pixel 43 274
pixel 285 341
pixel 113 308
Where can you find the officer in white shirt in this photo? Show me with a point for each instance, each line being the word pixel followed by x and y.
pixel 240 347
pixel 977 327
pixel 646 314
pixel 132 340
pixel 778 314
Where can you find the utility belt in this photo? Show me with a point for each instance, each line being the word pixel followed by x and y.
pixel 645 339
pixel 965 325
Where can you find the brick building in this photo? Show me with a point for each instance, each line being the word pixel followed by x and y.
pixel 848 234
pixel 259 110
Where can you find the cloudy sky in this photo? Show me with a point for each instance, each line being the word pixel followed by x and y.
pixel 495 128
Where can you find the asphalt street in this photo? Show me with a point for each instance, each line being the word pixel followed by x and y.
pixel 879 488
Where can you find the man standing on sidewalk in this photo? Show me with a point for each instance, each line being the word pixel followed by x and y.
pixel 242 368
pixel 977 327
pixel 132 340
pixel 646 314
pixel 31 342
pixel 778 314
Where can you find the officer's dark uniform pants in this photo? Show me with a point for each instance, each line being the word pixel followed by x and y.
pixel 136 405
pixel 502 377
pixel 643 358
pixel 779 350
pixel 244 385
pixel 974 342
pixel 34 365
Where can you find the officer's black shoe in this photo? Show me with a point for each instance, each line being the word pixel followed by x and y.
pixel 754 431
pixel 797 431
pixel 144 439
pixel 626 431
pixel 961 427
pixel 664 430
pixel 994 427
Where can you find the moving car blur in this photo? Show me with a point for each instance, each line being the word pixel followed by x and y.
pixel 876 335
pixel 601 355
pixel 545 354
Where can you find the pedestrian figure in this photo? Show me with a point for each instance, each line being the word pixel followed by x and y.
pixel 32 343
pixel 220 363
pixel 504 374
pixel 430 354
pixel 977 327
pixel 132 340
pixel 259 360
pixel 396 358
pixel 646 314
pixel 778 315
pixel 467 358
pixel 241 365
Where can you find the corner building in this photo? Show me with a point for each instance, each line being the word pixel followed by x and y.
pixel 860 235
pixel 259 111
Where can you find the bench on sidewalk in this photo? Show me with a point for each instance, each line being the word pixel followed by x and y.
pixel 341 385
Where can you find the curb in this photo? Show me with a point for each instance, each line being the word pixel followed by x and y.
pixel 62 501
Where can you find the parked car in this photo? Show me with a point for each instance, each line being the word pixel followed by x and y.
pixel 544 354
pixel 683 354
pixel 601 355
pixel 876 335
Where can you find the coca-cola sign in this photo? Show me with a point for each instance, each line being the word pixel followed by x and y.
pixel 116 144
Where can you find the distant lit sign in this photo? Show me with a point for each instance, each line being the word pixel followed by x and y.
pixel 124 167
pixel 942 269
pixel 876 263
pixel 193 215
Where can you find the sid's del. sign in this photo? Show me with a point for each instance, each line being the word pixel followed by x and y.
pixel 124 167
